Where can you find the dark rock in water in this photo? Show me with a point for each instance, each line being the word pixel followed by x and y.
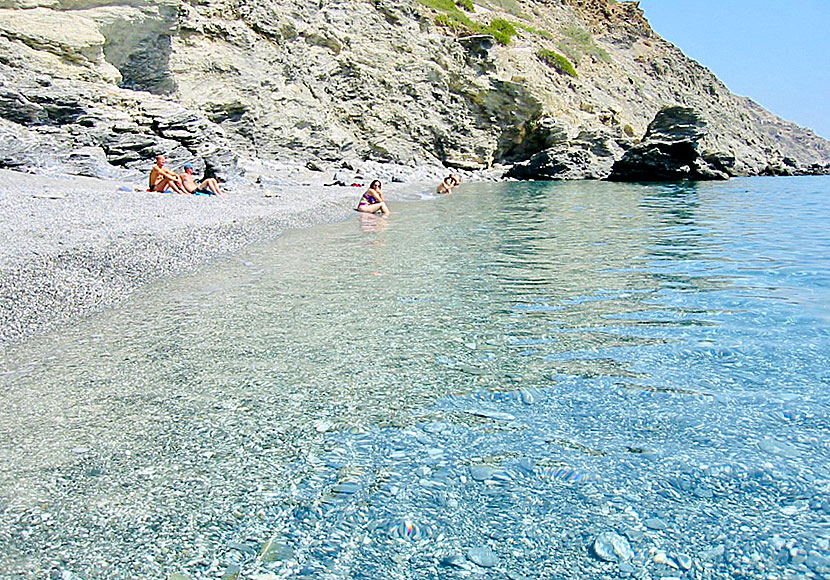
pixel 671 150
pixel 590 156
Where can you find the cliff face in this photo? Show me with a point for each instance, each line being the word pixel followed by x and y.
pixel 96 87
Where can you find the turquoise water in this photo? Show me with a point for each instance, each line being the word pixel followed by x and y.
pixel 477 386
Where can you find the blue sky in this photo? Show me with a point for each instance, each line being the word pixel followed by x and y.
pixel 775 52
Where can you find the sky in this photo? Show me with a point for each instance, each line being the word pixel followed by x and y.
pixel 775 52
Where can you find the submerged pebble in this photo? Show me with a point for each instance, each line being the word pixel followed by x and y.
pixel 481 472
pixel 483 556
pixel 275 550
pixel 655 524
pixel 684 561
pixel 612 547
pixel 231 572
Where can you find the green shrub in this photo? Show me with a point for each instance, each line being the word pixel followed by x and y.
pixel 466 5
pixel 541 33
pixel 451 17
pixel 556 61
pixel 459 23
pixel 578 42
pixel 510 6
pixel 453 24
pixel 501 30
pixel 440 5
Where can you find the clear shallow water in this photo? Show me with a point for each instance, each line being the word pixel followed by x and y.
pixel 478 386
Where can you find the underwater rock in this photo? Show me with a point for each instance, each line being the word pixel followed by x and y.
pixel 483 556
pixel 612 547
pixel 275 550
pixel 655 524
pixel 481 472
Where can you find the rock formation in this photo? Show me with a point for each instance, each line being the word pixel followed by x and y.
pixel 98 87
pixel 671 150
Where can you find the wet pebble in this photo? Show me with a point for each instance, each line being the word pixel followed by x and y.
pixel 231 572
pixel 275 550
pixel 483 556
pixel 684 561
pixel 346 488
pixel 496 415
pixel 481 472
pixel 655 524
pixel 454 561
pixel 612 547
pixel 778 447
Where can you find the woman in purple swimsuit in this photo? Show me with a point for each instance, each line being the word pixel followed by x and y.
pixel 372 201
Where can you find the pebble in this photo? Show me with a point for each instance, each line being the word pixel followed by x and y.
pixel 275 550
pixel 684 561
pixel 612 547
pixel 80 450
pixel 655 524
pixel 231 572
pixel 777 447
pixel 481 472
pixel 483 556
pixel 454 561
pixel 323 426
pixel 497 415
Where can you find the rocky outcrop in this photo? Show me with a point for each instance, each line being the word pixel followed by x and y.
pixel 589 155
pixel 671 150
pixel 379 81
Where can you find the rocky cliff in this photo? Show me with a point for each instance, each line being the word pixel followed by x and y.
pixel 97 87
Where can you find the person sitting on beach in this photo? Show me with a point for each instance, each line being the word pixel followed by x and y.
pixel 164 180
pixel 208 187
pixel 372 201
pixel 450 182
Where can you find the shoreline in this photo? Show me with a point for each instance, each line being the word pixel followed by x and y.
pixel 77 245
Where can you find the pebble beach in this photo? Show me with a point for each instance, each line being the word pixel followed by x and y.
pixel 73 245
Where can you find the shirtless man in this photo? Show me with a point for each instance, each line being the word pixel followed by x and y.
pixel 162 179
pixel 209 185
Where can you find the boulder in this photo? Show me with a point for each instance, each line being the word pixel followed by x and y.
pixel 589 156
pixel 671 150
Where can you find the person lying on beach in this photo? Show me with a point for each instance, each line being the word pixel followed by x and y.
pixel 450 182
pixel 372 201
pixel 164 180
pixel 209 186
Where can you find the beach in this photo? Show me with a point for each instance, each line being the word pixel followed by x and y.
pixel 74 245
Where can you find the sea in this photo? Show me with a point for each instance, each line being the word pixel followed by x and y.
pixel 577 380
